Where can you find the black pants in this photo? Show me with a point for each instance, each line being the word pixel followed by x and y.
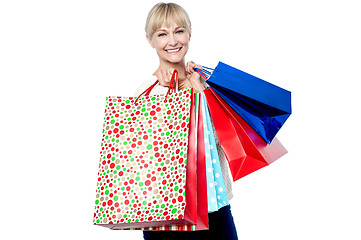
pixel 221 227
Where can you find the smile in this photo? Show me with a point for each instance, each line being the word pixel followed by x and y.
pixel 173 50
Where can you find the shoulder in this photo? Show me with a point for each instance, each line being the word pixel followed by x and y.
pixel 157 90
pixel 145 84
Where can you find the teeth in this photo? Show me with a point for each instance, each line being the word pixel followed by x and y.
pixel 175 50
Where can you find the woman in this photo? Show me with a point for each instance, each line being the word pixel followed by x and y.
pixel 168 30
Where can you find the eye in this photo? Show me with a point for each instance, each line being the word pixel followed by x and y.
pixel 161 34
pixel 180 31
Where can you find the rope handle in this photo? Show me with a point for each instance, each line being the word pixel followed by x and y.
pixel 173 86
pixel 204 72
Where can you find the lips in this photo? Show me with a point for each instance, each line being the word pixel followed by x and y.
pixel 173 50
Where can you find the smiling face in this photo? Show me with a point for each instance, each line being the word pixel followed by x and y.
pixel 171 43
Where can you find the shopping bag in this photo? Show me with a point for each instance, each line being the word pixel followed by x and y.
pixel 216 189
pixel 202 220
pixel 244 149
pixel 144 162
pixel 201 186
pixel 264 106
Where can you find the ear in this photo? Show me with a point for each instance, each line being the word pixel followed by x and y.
pixel 150 41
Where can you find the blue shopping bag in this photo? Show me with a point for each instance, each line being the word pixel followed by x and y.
pixel 264 106
pixel 216 188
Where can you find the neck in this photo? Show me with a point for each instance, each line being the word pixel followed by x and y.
pixel 180 67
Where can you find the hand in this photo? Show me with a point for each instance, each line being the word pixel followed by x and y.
pixel 193 77
pixel 190 65
pixel 164 76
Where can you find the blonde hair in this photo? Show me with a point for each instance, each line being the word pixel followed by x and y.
pixel 166 13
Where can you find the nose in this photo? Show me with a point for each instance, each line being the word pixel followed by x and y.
pixel 173 40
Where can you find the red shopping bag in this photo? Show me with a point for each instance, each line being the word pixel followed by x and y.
pixel 202 212
pixel 143 175
pixel 244 149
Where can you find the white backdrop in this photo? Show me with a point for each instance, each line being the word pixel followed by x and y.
pixel 59 59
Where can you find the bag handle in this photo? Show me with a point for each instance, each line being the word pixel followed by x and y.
pixel 204 72
pixel 173 86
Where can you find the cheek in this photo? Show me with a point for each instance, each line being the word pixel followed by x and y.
pixel 159 45
pixel 185 40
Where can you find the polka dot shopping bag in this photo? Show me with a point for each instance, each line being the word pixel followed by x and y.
pixel 147 161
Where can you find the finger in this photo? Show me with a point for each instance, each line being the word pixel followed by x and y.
pixel 162 79
pixel 165 75
pixel 189 67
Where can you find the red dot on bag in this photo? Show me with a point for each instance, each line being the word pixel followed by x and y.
pixel 121 132
pixel 121 173
pixel 131 181
pixel 116 204
pixel 112 165
pixel 147 183
pixel 150 218
pixel 152 113
pixel 145 137
pixel 109 155
pixel 126 202
pixel 180 199
pixel 127 107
